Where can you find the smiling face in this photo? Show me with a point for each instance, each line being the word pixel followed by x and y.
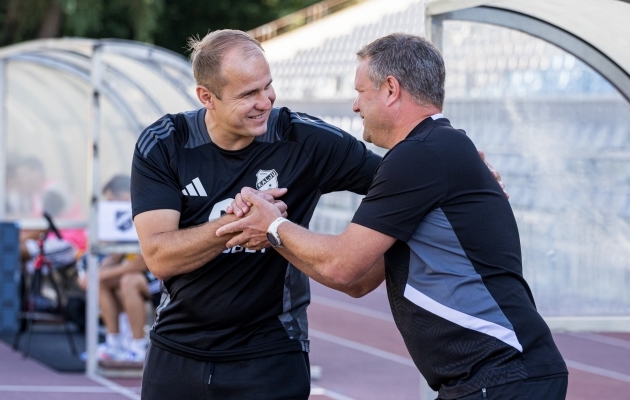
pixel 241 112
pixel 370 104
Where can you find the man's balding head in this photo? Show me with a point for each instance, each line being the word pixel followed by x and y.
pixel 208 53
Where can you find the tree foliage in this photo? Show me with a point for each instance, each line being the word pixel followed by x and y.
pixel 167 23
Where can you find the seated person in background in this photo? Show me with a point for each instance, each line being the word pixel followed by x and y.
pixel 63 251
pixel 29 195
pixel 125 283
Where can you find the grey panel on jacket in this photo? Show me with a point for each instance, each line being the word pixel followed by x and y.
pixel 440 269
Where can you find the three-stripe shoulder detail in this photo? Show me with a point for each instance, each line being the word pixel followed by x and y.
pixel 299 118
pixel 152 134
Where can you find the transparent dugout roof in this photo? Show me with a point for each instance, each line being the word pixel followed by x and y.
pixel 46 125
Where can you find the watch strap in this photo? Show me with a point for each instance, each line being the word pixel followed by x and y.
pixel 273 229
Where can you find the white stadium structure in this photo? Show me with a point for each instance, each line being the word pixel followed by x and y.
pixel 541 93
pixel 542 86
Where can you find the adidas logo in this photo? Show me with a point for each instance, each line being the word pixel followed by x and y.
pixel 195 189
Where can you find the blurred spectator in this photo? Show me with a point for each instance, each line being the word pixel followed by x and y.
pixel 30 194
pixel 125 284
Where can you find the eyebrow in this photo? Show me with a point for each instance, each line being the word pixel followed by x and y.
pixel 247 93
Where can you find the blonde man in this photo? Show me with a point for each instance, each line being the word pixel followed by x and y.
pixel 233 323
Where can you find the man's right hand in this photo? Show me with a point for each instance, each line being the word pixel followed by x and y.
pixel 169 250
pixel 240 207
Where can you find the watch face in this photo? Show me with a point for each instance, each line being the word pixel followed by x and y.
pixel 272 239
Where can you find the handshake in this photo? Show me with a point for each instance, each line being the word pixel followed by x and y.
pixel 256 211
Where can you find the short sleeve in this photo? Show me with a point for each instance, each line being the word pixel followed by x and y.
pixel 154 185
pixel 410 182
pixel 339 161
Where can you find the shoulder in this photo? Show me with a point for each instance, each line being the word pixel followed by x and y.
pixel 438 137
pixel 411 158
pixel 287 125
pixel 303 123
pixel 172 131
pixel 411 149
pixel 443 131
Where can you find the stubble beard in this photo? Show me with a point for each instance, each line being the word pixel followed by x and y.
pixel 375 129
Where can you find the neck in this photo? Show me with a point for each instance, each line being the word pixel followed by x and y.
pixel 223 138
pixel 408 118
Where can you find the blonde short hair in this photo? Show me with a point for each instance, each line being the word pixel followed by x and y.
pixel 207 55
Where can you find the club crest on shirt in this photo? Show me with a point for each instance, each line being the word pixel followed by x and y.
pixel 266 179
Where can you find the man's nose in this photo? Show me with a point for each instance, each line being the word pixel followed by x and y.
pixel 264 101
pixel 355 105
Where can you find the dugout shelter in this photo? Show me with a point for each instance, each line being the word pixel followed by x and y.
pixel 542 86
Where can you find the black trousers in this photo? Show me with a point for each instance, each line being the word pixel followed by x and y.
pixel 168 376
pixel 546 388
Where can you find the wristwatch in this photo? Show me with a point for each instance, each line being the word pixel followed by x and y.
pixel 272 232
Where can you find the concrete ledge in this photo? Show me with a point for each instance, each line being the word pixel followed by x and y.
pixel 589 324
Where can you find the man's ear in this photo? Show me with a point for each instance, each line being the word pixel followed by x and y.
pixel 205 96
pixel 393 90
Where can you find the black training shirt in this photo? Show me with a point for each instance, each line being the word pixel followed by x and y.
pixel 244 303
pixel 454 276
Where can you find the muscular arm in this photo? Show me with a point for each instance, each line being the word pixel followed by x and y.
pixel 170 251
pixel 364 285
pixel 351 262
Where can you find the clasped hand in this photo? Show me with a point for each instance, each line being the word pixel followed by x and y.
pixel 257 209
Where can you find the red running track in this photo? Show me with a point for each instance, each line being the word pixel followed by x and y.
pixel 363 357
pixel 361 354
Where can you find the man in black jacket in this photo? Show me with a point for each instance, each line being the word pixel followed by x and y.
pixel 442 226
